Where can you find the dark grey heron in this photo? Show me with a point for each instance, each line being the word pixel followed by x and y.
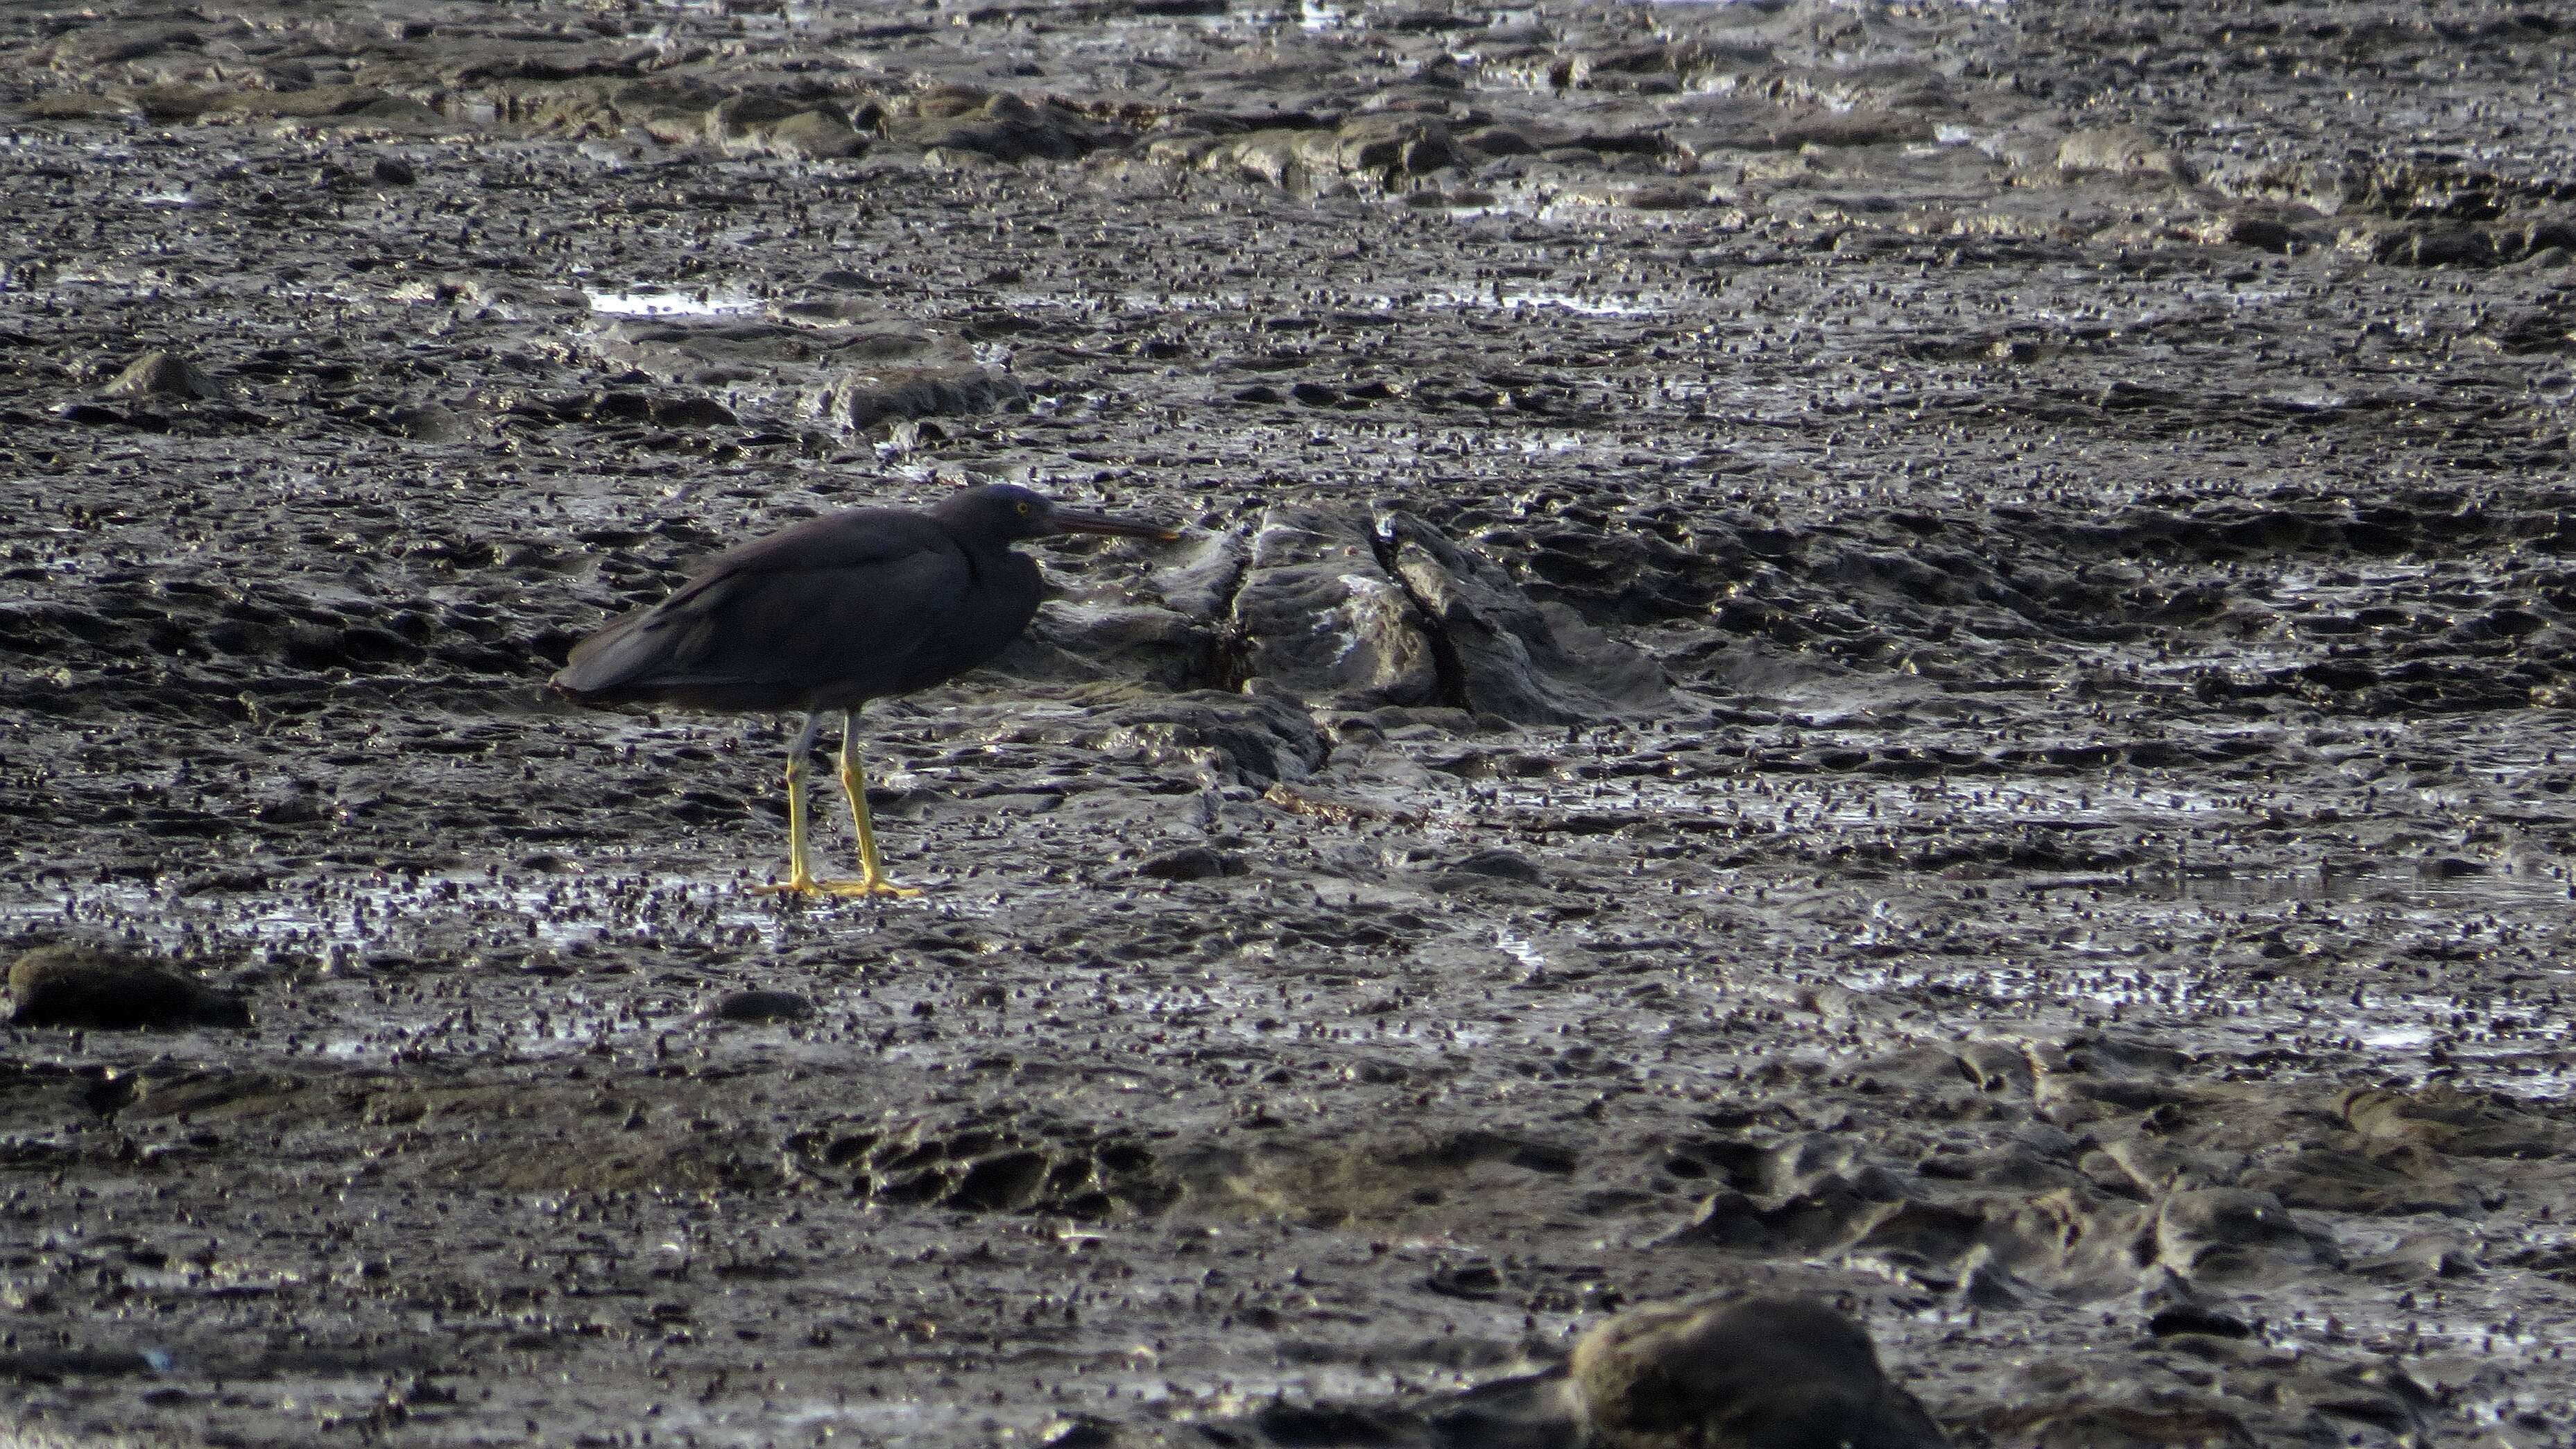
pixel 828 615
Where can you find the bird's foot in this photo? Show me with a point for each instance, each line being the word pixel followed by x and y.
pixel 803 885
pixel 874 885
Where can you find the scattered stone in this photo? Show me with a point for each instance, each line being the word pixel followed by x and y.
pixel 778 126
pixel 1529 663
pixel 161 374
pixel 997 126
pixel 1500 865
pixel 1192 862
pixel 393 171
pixel 1742 1373
pixel 102 989
pixel 2120 149
pixel 859 400
pixel 758 1005
pixel 1320 617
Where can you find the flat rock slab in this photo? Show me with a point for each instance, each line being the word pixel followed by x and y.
pixel 1743 1373
pixel 1526 662
pixel 1319 616
pixel 101 989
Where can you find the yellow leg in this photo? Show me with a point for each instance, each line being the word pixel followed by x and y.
pixel 800 876
pixel 854 783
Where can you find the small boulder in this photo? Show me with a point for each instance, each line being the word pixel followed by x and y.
pixel 2228 1233
pixel 1319 616
pixel 780 126
pixel 1487 865
pixel 758 1005
pixel 2121 149
pixel 1742 1373
pixel 102 989
pixel 1525 661
pixel 161 374
pixel 1191 862
pixel 865 399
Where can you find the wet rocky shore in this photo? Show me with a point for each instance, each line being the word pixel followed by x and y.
pixel 1906 662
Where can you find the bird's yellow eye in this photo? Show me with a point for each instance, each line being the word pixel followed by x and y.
pixel 1024 508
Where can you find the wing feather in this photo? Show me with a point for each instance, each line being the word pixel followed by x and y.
pixel 839 608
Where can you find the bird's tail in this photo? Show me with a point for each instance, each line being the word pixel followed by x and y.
pixel 603 665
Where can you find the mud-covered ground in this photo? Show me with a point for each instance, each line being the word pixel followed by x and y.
pixel 1915 654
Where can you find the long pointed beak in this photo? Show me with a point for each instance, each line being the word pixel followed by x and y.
pixel 1074 520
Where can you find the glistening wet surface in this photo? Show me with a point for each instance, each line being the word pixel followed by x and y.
pixel 1910 655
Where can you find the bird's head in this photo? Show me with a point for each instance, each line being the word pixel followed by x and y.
pixel 1006 512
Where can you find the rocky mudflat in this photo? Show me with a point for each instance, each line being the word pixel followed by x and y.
pixel 1886 682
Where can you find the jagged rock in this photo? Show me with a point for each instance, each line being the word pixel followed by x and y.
pixel 2120 149
pixel 1388 144
pixel 2230 1232
pixel 782 127
pixel 758 1005
pixel 1742 1373
pixel 161 374
pixel 76 985
pixel 1320 617
pixel 1192 862
pixel 1001 126
pixel 1248 739
pixel 1093 641
pixel 863 399
pixel 1529 663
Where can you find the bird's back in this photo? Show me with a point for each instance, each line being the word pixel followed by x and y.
pixel 825 615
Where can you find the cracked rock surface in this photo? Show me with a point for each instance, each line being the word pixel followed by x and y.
pixel 1907 660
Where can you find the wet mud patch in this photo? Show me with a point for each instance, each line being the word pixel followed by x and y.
pixel 1819 653
pixel 996 1166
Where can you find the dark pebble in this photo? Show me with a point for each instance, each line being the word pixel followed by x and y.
pixel 102 990
pixel 161 374
pixel 1190 862
pixel 1501 865
pixel 1745 1373
pixel 1079 1431
pixel 760 1006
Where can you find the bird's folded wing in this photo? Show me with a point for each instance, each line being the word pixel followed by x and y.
pixel 824 603
pixel 796 626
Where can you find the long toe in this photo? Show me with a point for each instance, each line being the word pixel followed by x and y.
pixel 865 886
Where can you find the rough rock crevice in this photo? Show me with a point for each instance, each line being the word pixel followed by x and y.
pixel 1352 612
